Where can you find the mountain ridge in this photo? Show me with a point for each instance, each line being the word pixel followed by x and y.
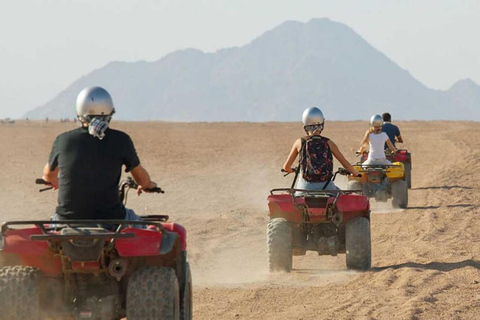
pixel 272 78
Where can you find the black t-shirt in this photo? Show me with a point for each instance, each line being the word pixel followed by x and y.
pixel 90 171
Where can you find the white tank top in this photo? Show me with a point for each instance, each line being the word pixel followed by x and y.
pixel 377 143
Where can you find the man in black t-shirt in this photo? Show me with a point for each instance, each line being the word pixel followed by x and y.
pixel 85 164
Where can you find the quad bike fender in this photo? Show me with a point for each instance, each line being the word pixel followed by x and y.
pixel 145 243
pixel 179 230
pixel 18 249
pixel 282 206
pixel 396 172
pixel 402 156
pixel 353 203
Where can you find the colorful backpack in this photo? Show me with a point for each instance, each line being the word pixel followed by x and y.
pixel 316 160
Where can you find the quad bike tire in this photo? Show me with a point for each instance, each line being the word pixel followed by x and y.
pixel 408 174
pixel 279 244
pixel 153 294
pixel 400 194
pixel 186 302
pixel 358 244
pixel 19 293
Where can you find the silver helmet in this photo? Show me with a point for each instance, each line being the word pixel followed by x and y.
pixel 313 120
pixel 312 116
pixel 376 120
pixel 94 101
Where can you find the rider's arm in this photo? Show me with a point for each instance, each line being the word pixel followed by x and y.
pixel 51 176
pixel 364 143
pixel 391 146
pixel 142 178
pixel 399 139
pixel 287 166
pixel 339 156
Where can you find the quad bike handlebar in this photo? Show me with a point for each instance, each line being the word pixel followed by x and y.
pixel 130 183
pixel 41 181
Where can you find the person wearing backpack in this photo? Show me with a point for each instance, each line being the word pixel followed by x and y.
pixel 376 139
pixel 315 155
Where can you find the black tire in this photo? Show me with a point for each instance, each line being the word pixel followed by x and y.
pixel 153 294
pixel 186 301
pixel 19 293
pixel 279 243
pixel 408 174
pixel 399 194
pixel 358 244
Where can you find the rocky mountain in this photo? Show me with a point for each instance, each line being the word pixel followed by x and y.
pixel 273 78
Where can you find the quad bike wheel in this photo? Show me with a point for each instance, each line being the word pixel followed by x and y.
pixel 153 294
pixel 358 244
pixel 408 174
pixel 400 194
pixel 279 243
pixel 186 303
pixel 19 293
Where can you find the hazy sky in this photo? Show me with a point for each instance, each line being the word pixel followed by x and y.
pixel 47 44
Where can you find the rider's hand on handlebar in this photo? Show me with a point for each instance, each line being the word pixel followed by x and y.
pixel 355 173
pixel 287 169
pixel 141 189
pixel 53 184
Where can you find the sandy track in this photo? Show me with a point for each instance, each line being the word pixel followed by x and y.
pixel 426 261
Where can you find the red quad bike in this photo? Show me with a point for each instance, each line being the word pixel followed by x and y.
pixel 328 222
pixel 95 269
pixel 403 156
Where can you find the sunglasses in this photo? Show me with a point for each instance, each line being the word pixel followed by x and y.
pixel 313 127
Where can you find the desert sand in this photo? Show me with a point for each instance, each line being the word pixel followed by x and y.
pixel 425 259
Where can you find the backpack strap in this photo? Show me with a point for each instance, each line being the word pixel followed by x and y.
pixel 302 154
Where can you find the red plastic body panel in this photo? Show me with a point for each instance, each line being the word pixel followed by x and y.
pixel 402 156
pixel 351 205
pixel 32 253
pixel 146 243
pixel 282 206
pixel 18 241
pixel 180 230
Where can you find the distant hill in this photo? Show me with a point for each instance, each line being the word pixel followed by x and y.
pixel 273 78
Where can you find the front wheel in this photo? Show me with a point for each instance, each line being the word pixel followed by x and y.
pixel 153 294
pixel 400 194
pixel 279 243
pixel 358 244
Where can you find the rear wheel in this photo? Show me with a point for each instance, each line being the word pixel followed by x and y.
pixel 19 293
pixel 400 194
pixel 408 174
pixel 153 294
pixel 186 303
pixel 279 243
pixel 358 244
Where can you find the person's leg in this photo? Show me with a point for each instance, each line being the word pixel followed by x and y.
pixel 131 215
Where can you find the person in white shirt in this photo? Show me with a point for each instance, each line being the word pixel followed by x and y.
pixel 376 139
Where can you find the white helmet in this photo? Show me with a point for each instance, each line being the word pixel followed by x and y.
pixel 94 101
pixel 376 120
